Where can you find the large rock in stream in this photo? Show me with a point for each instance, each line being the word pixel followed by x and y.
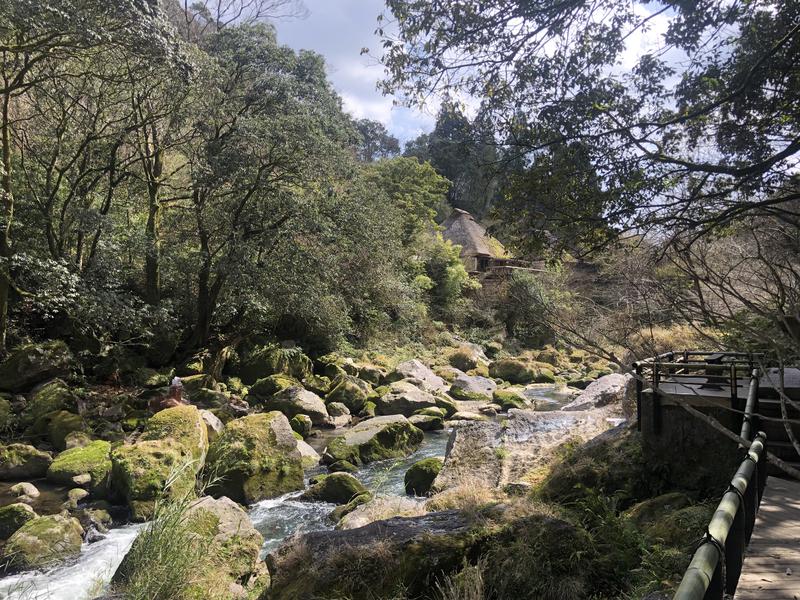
pixel 256 458
pixel 404 398
pixel 295 401
pixel 374 439
pixel 43 542
pixel 609 389
pixel 385 555
pixel 21 461
pixel 417 371
pixel 496 455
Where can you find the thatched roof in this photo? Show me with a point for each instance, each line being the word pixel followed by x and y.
pixel 461 228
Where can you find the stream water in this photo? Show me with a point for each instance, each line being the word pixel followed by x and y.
pixel 276 519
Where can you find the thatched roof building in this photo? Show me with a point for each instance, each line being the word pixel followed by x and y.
pixel 477 247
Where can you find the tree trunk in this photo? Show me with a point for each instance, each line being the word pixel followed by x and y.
pixel 8 216
pixel 153 245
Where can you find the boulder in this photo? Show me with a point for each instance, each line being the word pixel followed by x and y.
pixel 465 415
pixel 230 543
pixel 512 370
pixel 21 461
pixel 33 363
pixel 371 374
pixel 6 414
pixel 266 387
pixel 509 398
pixel 427 422
pixel 609 389
pixel 140 473
pixel 336 488
pixel 350 391
pixel 651 510
pixel 183 424
pixel 308 456
pixel 464 359
pixel 295 401
pixel 404 398
pixel 408 553
pixel 339 414
pixel 415 369
pixel 46 399
pixel 302 424
pixel 434 411
pixel 448 405
pixel 77 439
pixel 472 387
pixel 319 384
pixel 43 542
pixel 23 488
pixel 256 458
pixel 208 398
pixel 93 460
pixel 420 476
pixel 374 439
pixel 14 516
pixel 378 509
pixel 62 424
pixel 214 426
pixel 264 361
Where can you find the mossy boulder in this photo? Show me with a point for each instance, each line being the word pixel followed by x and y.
pixel 302 425
pixel 374 439
pixel 33 363
pixel 433 411
pixel 350 391
pixel 648 511
pixel 6 415
pixel 43 542
pixel 140 473
pixel 345 509
pixel 419 477
pixel 512 370
pixel 447 405
pixel 185 425
pixel 319 384
pixel 14 516
pixel 208 398
pixel 49 398
pixel 336 488
pixel 299 401
pixel 427 422
pixel 266 387
pixel 508 399
pixel 463 359
pixel 21 461
pixel 472 387
pixel 256 458
pixel 94 460
pixel 63 423
pixel 404 398
pixel 264 361
pixel 231 547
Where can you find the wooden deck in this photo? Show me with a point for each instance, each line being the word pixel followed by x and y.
pixel 772 566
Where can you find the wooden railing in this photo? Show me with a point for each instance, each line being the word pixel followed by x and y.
pixel 719 370
pixel 715 568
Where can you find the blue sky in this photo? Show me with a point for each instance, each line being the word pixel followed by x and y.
pixel 339 29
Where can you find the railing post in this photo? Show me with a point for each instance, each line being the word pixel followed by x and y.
pixel 638 374
pixel 734 551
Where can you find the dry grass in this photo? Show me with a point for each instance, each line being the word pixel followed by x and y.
pixel 467 584
pixel 469 495
pixel 657 340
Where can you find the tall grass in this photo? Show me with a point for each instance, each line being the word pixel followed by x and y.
pixel 166 558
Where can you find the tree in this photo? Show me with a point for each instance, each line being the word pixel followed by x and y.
pixel 39 41
pixel 414 187
pixel 375 141
pixel 691 136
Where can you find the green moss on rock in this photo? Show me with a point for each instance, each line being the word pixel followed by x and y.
pixel 337 488
pixel 419 477
pixel 63 423
pixel 374 439
pixel 511 370
pixel 256 458
pixel 51 397
pixel 266 387
pixel 508 399
pixel 14 516
pixel 43 542
pixel 185 425
pixel 93 459
pixel 21 461
pixel 264 361
pixel 350 391
pixel 301 424
pixel 140 473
